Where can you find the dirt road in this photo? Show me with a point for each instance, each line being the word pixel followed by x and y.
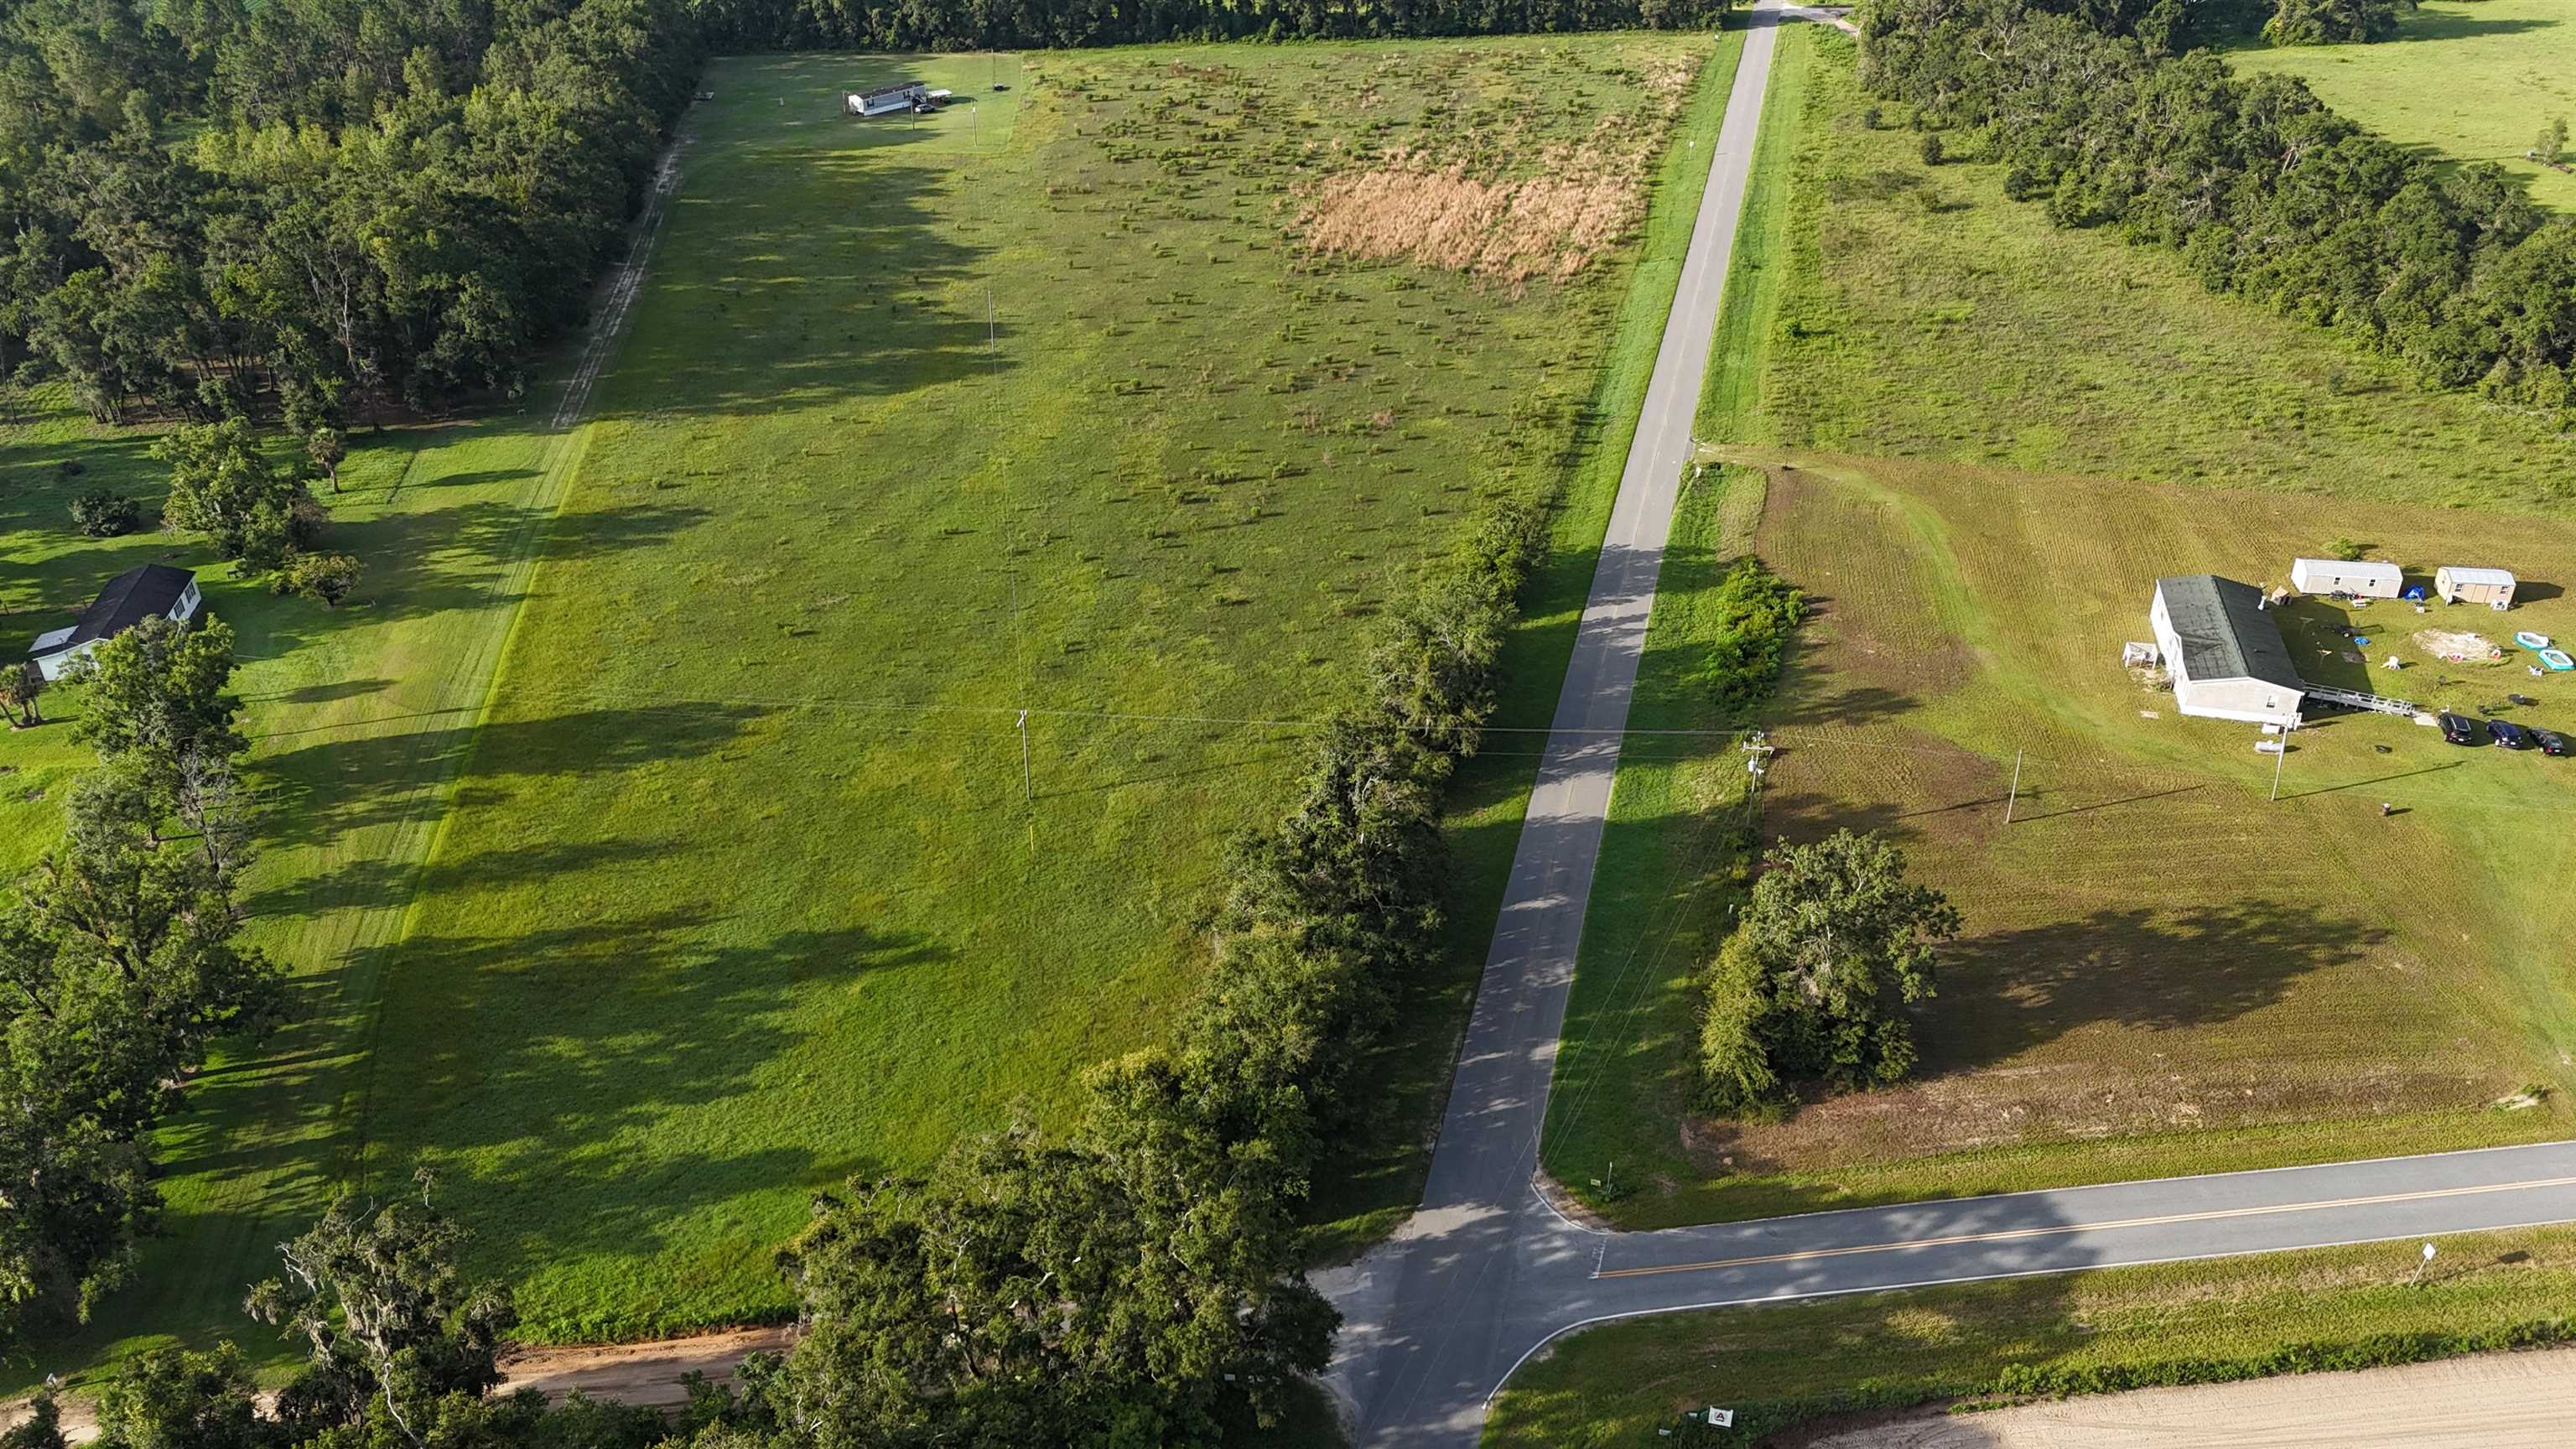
pixel 628 1373
pixel 2495 1401
pixel 639 1373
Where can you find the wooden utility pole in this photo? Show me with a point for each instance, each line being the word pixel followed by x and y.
pixel 1028 790
pixel 2015 797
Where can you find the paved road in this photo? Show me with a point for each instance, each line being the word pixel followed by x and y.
pixel 1422 1340
pixel 1436 1317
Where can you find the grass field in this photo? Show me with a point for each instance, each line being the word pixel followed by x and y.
pixel 1040 405
pixel 1979 442
pixel 1776 1366
pixel 357 719
pixel 2466 80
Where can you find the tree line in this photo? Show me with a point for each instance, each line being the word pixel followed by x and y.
pixel 1064 24
pixel 2262 190
pixel 301 208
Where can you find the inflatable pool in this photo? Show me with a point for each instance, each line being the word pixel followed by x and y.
pixel 2529 640
pixel 2557 659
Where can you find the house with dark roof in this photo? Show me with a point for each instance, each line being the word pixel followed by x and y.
pixel 2223 649
pixel 145 592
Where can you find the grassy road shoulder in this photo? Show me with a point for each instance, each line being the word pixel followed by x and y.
pixel 2119 1328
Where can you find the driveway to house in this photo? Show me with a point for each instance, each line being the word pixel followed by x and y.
pixel 1485 1271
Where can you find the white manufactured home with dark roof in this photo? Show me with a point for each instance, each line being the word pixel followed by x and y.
pixel 2223 649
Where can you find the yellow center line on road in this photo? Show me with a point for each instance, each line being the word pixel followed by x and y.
pixel 2006 1235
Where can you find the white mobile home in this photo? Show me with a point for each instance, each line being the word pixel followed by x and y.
pixel 2224 652
pixel 148 591
pixel 2458 585
pixel 2364 579
pixel 886 100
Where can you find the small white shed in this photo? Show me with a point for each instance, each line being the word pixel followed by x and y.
pixel 2460 585
pixel 2364 578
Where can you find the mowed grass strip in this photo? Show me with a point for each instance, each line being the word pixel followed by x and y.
pixel 1036 404
pixel 2165 973
pixel 1781 1365
pixel 358 719
pixel 2469 80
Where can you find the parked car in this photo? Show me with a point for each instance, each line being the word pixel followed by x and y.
pixel 2459 729
pixel 2551 742
pixel 2508 734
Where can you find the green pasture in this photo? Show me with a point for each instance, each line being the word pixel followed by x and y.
pixel 1034 412
pixel 357 718
pixel 1618 1384
pixel 2464 80
pixel 1976 441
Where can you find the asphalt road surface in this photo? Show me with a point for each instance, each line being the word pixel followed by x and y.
pixel 1485 1272
pixel 1439 1316
pixel 1422 1338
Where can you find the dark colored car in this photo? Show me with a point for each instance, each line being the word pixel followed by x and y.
pixel 2508 734
pixel 2459 729
pixel 2551 742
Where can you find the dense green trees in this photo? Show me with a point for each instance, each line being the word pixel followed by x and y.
pixel 1017 24
pixel 119 969
pixel 312 205
pixel 1810 986
pixel 2261 189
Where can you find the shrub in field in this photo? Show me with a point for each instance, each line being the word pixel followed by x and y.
pixel 1832 943
pixel 327 577
pixel 1757 611
pixel 105 513
pixel 2348 550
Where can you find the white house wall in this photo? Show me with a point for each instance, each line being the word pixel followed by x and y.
pixel 2248 700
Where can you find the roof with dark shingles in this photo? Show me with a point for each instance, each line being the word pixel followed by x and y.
pixel 131 597
pixel 2225 631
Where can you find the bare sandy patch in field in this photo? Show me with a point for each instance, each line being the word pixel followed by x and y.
pixel 2493 1401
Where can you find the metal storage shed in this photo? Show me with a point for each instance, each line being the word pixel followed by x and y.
pixel 2460 585
pixel 2365 578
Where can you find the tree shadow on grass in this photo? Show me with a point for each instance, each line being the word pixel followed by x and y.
pixel 445 559
pixel 558 1044
pixel 315 793
pixel 2006 992
pixel 812 304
